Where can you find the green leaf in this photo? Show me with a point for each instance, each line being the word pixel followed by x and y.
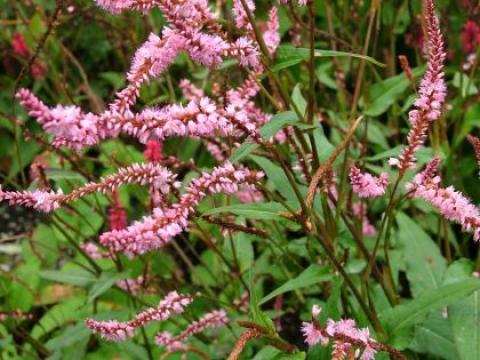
pixel 434 336
pixel 242 245
pixel 116 79
pixel 424 154
pixel 299 100
pixel 276 175
pixel 103 284
pixel 267 353
pixel 425 264
pixel 288 56
pixel 463 82
pixel 464 315
pixel 323 73
pixel 78 277
pixel 134 351
pixel 295 356
pixel 471 120
pixel 312 275
pixel 71 335
pixel 205 276
pixel 58 315
pixel 271 128
pixel 415 311
pixel 242 151
pixel 62 174
pixel 377 134
pixel 83 220
pixel 278 122
pixel 385 93
pixel 21 159
pixel 44 238
pixel 257 314
pixel 332 307
pixel 21 294
pixel 271 353
pixel 324 147
pixel 265 211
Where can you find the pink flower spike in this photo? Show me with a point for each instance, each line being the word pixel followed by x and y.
pixel 360 211
pixel 470 36
pixel 19 45
pixel 240 15
pixel 451 204
pixel 213 319
pixel 367 185
pixel 156 231
pixel 70 126
pixel 475 142
pixel 149 62
pixel 159 177
pixel 312 335
pixel 368 353
pixel 153 151
pixel 117 215
pixel 132 285
pixel 348 340
pixel 92 250
pixel 272 36
pixel 190 91
pixel 113 330
pixel 41 200
pixel 432 92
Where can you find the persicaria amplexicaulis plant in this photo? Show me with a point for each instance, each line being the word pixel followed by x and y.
pixel 283 201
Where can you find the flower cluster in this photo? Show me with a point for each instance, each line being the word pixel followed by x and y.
pixel 213 319
pixel 157 176
pixel 452 204
pixel 187 20
pixel 247 195
pixel 75 129
pixel 190 91
pixel 349 342
pixel 41 200
pixel 272 36
pixel 199 118
pixel 345 335
pixel 360 211
pixel 71 127
pixel 367 185
pixel 431 95
pixel 114 330
pixel 117 215
pixel 93 251
pixel 240 15
pixel 153 151
pixel 155 231
pixel 132 285
pixel 475 141
pixel 470 36
pixel 21 49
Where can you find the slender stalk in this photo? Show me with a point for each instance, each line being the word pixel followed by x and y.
pixel 372 316
pixel 312 188
pixel 311 72
pixel 388 213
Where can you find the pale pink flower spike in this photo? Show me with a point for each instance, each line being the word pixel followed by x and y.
pixel 366 185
